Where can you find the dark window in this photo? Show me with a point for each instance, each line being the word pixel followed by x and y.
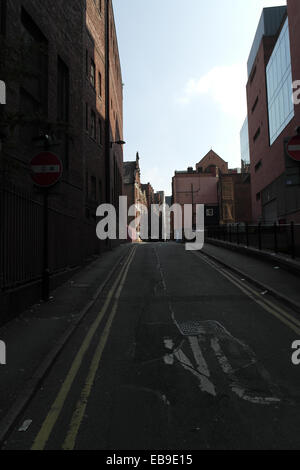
pixel 100 192
pixel 99 84
pixel 87 116
pixel 93 125
pixel 63 90
pixel 87 63
pixel 99 5
pixel 2 16
pixel 93 74
pixel 258 166
pixel 100 137
pixel 258 196
pixel 255 104
pixel 35 50
pixel 87 184
pixel 257 134
pixel 93 188
pixel 253 75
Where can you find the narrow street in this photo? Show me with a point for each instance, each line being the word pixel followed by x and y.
pixel 176 353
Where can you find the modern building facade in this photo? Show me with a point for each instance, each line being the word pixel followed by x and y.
pixel 273 117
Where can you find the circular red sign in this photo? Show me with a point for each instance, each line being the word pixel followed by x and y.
pixel 46 169
pixel 293 148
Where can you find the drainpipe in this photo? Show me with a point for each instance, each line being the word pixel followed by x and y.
pixel 107 104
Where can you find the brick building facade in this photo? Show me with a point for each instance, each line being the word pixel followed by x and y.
pixel 61 83
pixel 225 193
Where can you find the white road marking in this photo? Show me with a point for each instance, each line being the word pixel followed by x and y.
pixel 204 383
pixel 235 385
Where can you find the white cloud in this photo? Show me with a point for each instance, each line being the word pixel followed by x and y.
pixel 226 85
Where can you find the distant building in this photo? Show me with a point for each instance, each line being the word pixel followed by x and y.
pixel 133 189
pixel 234 194
pixel 225 193
pixel 200 186
pixel 273 65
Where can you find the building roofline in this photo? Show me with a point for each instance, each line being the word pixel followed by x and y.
pixel 269 24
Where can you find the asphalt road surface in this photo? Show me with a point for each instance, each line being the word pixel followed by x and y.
pixel 176 354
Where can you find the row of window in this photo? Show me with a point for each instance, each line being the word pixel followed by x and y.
pixel 91 188
pixel 90 69
pixel 94 125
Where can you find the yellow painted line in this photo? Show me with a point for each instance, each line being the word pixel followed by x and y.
pixel 290 321
pixel 270 304
pixel 78 414
pixel 55 410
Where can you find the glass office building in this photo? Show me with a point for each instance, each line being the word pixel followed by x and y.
pixel 279 85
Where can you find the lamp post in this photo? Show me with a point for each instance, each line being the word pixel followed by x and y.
pixel 117 142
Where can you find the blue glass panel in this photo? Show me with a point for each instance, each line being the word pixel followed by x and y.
pixel 279 85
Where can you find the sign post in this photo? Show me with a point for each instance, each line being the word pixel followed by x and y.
pixel 46 171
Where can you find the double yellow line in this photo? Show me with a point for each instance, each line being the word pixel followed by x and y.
pixel 289 320
pixel 56 408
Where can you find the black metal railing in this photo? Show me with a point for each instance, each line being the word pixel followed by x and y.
pixel 277 238
pixel 71 239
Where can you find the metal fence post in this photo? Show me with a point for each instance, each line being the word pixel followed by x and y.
pixel 238 234
pixel 293 240
pixel 259 236
pixel 247 234
pixel 275 238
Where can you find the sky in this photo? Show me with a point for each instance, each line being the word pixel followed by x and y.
pixel 184 68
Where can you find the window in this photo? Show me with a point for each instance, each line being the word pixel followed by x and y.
pixel 62 91
pixel 93 125
pixel 254 106
pixel 258 196
pixel 86 184
pixel 258 166
pixel 93 74
pixel 63 107
pixel 279 85
pixel 93 188
pixel 99 84
pixel 87 63
pixel 87 117
pixel 100 195
pixel 2 16
pixel 257 134
pixel 35 48
pixel 253 75
pixel 100 137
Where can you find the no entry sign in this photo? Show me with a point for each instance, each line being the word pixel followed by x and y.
pixel 46 169
pixel 293 148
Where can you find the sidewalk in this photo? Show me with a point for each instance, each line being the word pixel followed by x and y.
pixel 34 339
pixel 270 275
